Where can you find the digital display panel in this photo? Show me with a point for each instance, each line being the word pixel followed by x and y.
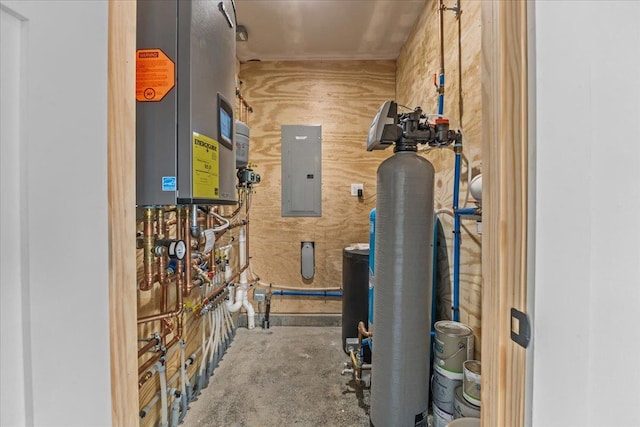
pixel 225 124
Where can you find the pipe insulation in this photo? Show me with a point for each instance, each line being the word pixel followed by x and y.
pixel 402 296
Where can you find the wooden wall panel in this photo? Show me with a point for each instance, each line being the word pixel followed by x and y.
pixel 418 62
pixel 504 149
pixel 343 97
pixel 121 193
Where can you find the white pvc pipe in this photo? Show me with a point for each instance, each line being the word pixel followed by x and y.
pixel 228 271
pixel 235 306
pixel 242 258
pixel 216 335
pixel 183 375
pixel 228 320
pixel 163 395
pixel 251 313
pixel 208 348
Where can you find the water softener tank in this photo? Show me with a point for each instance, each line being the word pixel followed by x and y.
pixel 402 294
pixel 355 281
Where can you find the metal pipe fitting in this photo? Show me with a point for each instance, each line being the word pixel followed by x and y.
pixel 148 247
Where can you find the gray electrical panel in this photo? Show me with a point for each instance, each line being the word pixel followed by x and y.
pixel 185 87
pixel 301 170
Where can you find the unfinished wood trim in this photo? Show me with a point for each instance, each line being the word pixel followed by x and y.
pixel 504 246
pixel 122 216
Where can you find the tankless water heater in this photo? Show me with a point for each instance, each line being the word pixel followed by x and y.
pixel 185 86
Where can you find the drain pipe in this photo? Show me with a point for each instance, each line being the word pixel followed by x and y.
pixel 242 259
pixel 242 288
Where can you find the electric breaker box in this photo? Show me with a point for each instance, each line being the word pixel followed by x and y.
pixel 185 87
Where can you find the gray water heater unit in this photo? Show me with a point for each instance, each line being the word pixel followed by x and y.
pixel 185 92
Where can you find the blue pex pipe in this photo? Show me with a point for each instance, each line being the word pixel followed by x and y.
pixel 441 96
pixel 467 211
pixel 456 237
pixel 337 294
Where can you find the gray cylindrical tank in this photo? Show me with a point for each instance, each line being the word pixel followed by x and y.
pixel 242 144
pixel 402 294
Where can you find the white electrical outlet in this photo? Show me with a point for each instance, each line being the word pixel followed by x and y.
pixel 355 188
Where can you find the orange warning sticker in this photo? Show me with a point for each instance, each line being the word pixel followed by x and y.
pixel 155 75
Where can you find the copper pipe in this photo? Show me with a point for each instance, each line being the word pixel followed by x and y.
pixel 176 312
pixel 213 295
pixel 146 365
pixel 144 379
pixel 160 222
pixel 246 234
pixel 234 213
pixel 357 369
pixel 153 359
pixel 168 225
pixel 180 236
pixel 178 222
pixel 441 9
pixel 148 346
pixel 187 286
pixel 165 306
pixel 210 218
pixel 363 331
pixel 162 258
pixel 147 242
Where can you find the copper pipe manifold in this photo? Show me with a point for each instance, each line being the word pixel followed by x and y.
pixel 148 240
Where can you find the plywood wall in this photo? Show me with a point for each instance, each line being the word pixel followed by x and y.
pixel 418 62
pixel 343 97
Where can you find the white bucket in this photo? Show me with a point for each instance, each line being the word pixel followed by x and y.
pixel 440 417
pixel 471 382
pixel 443 388
pixel 462 408
pixel 465 422
pixel 453 344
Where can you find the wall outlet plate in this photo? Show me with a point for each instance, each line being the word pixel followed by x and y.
pixel 355 188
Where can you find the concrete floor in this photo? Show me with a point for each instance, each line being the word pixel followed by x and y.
pixel 282 376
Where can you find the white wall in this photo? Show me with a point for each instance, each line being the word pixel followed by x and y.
pixel 586 365
pixel 60 278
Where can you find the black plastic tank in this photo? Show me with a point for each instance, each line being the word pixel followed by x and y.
pixel 355 291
